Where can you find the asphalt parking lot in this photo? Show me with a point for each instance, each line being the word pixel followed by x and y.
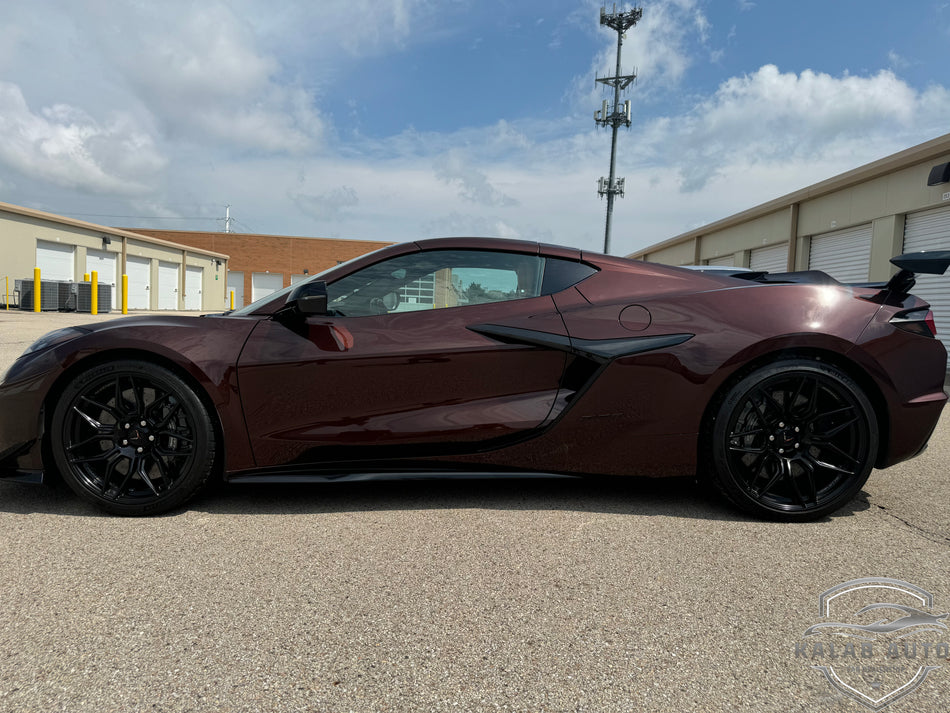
pixel 476 595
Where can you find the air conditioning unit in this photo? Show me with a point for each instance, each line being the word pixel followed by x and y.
pixel 53 294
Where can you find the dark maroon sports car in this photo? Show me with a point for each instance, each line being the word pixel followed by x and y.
pixel 493 356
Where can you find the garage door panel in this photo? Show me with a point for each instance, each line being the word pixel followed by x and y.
pixel 773 258
pixel 104 264
pixel 167 285
pixel 139 271
pixel 843 254
pixel 930 230
pixel 193 277
pixel 265 283
pixel 236 285
pixel 56 261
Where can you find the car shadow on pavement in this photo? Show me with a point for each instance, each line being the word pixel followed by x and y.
pixel 669 497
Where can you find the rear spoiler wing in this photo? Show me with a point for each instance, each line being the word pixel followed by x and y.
pixel 932 262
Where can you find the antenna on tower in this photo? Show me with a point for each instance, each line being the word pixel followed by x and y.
pixel 615 115
pixel 227 218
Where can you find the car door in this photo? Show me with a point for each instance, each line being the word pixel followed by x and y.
pixel 396 368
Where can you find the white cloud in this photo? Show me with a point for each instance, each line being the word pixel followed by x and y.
pixel 205 79
pixel 473 185
pixel 65 146
pixel 774 116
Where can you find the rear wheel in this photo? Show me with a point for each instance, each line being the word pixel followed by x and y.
pixel 132 438
pixel 794 440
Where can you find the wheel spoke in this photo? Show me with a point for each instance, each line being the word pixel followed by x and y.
pixel 139 467
pixel 745 449
pixel 137 397
pixel 92 439
pixel 771 482
pixel 834 431
pixel 743 434
pixel 89 419
pixel 830 466
pixel 788 477
pixel 833 447
pixel 809 472
pixel 104 456
pixel 168 417
pixel 102 407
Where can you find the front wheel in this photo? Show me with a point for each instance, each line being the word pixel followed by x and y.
pixel 132 438
pixel 794 440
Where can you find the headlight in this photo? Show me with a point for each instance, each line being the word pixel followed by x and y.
pixel 57 336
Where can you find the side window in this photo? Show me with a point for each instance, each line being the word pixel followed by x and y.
pixel 561 274
pixel 437 279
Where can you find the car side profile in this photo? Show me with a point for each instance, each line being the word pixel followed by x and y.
pixel 475 355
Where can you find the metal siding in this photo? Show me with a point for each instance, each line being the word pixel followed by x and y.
pixel 930 230
pixel 843 254
pixel 56 262
pixel 771 259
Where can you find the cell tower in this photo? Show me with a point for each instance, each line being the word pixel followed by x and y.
pixel 615 115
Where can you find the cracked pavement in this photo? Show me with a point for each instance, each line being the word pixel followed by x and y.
pixel 477 595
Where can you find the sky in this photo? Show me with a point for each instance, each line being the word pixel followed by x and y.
pixel 406 119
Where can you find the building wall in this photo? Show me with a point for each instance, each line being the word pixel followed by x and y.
pixel 283 255
pixel 880 194
pixel 20 232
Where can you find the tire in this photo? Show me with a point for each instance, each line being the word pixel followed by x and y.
pixel 794 440
pixel 132 438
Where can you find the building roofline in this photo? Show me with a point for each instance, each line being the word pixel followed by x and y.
pixel 902 159
pixel 265 235
pixel 94 227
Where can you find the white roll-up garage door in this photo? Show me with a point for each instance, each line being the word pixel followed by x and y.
pixel 773 258
pixel 265 283
pixel 843 254
pixel 104 263
pixel 724 260
pixel 930 230
pixel 193 287
pixel 56 262
pixel 167 285
pixel 139 271
pixel 236 285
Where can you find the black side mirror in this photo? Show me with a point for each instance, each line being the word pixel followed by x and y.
pixel 308 299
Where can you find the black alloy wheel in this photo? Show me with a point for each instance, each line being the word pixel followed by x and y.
pixel 132 438
pixel 794 440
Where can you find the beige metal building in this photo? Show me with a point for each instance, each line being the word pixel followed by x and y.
pixel 162 275
pixel 849 226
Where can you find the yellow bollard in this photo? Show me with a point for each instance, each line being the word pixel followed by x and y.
pixel 36 289
pixel 85 277
pixel 232 299
pixel 95 292
pixel 125 294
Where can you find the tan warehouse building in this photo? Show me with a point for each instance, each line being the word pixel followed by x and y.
pixel 161 274
pixel 849 226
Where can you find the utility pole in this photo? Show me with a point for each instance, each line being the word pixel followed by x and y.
pixel 615 115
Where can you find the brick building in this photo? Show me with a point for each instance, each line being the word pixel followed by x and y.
pixel 261 264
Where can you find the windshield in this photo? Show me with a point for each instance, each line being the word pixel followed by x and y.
pixel 254 306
